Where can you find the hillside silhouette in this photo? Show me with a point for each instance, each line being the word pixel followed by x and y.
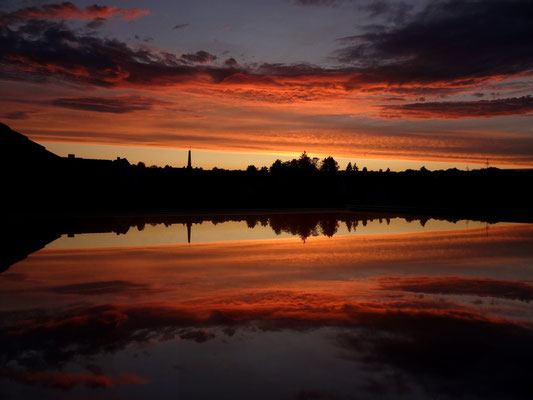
pixel 36 181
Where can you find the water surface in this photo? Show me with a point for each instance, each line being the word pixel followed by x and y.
pixel 280 306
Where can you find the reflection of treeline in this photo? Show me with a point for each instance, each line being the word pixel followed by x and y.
pixel 314 224
pixel 27 235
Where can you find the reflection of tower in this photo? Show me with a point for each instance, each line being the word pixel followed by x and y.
pixel 189 226
pixel 189 165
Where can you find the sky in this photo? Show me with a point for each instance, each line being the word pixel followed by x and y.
pixel 383 83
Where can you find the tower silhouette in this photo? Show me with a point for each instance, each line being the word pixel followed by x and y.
pixel 189 165
pixel 189 228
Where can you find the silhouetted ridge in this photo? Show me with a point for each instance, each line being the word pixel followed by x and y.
pixel 18 149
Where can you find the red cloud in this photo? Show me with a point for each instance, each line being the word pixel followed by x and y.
pixel 68 10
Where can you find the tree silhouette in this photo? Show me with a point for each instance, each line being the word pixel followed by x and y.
pixel 329 165
pixel 276 167
pixel 306 163
pixel 349 167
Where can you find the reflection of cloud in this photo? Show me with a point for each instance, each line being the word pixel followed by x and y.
pixel 111 327
pixel 514 290
pixel 199 336
pixel 445 355
pixel 68 380
pixel 429 339
pixel 115 105
pixel 104 287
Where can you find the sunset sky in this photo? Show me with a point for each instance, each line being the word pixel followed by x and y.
pixel 384 83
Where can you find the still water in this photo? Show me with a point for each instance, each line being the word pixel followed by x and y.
pixel 279 306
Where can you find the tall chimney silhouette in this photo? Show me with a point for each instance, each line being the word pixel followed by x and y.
pixel 189 165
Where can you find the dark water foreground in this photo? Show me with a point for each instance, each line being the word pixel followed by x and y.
pixel 278 306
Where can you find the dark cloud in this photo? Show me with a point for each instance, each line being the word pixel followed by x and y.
pixel 145 39
pixel 462 109
pixel 316 3
pixel 231 62
pixel 412 59
pixel 392 11
pixel 43 50
pixel 200 57
pixel 451 41
pixel 389 10
pixel 116 105
pixel 96 23
pixel 180 26
pixel 199 336
pixel 16 115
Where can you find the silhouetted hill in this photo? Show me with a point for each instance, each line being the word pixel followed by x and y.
pixel 18 149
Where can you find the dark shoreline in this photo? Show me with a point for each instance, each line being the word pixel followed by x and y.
pixel 371 210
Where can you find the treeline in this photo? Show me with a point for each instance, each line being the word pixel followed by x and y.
pixel 302 165
pixel 37 181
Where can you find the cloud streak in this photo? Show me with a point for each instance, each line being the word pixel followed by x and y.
pixel 115 105
pixel 462 109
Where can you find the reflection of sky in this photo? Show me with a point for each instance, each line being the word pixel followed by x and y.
pixel 420 314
